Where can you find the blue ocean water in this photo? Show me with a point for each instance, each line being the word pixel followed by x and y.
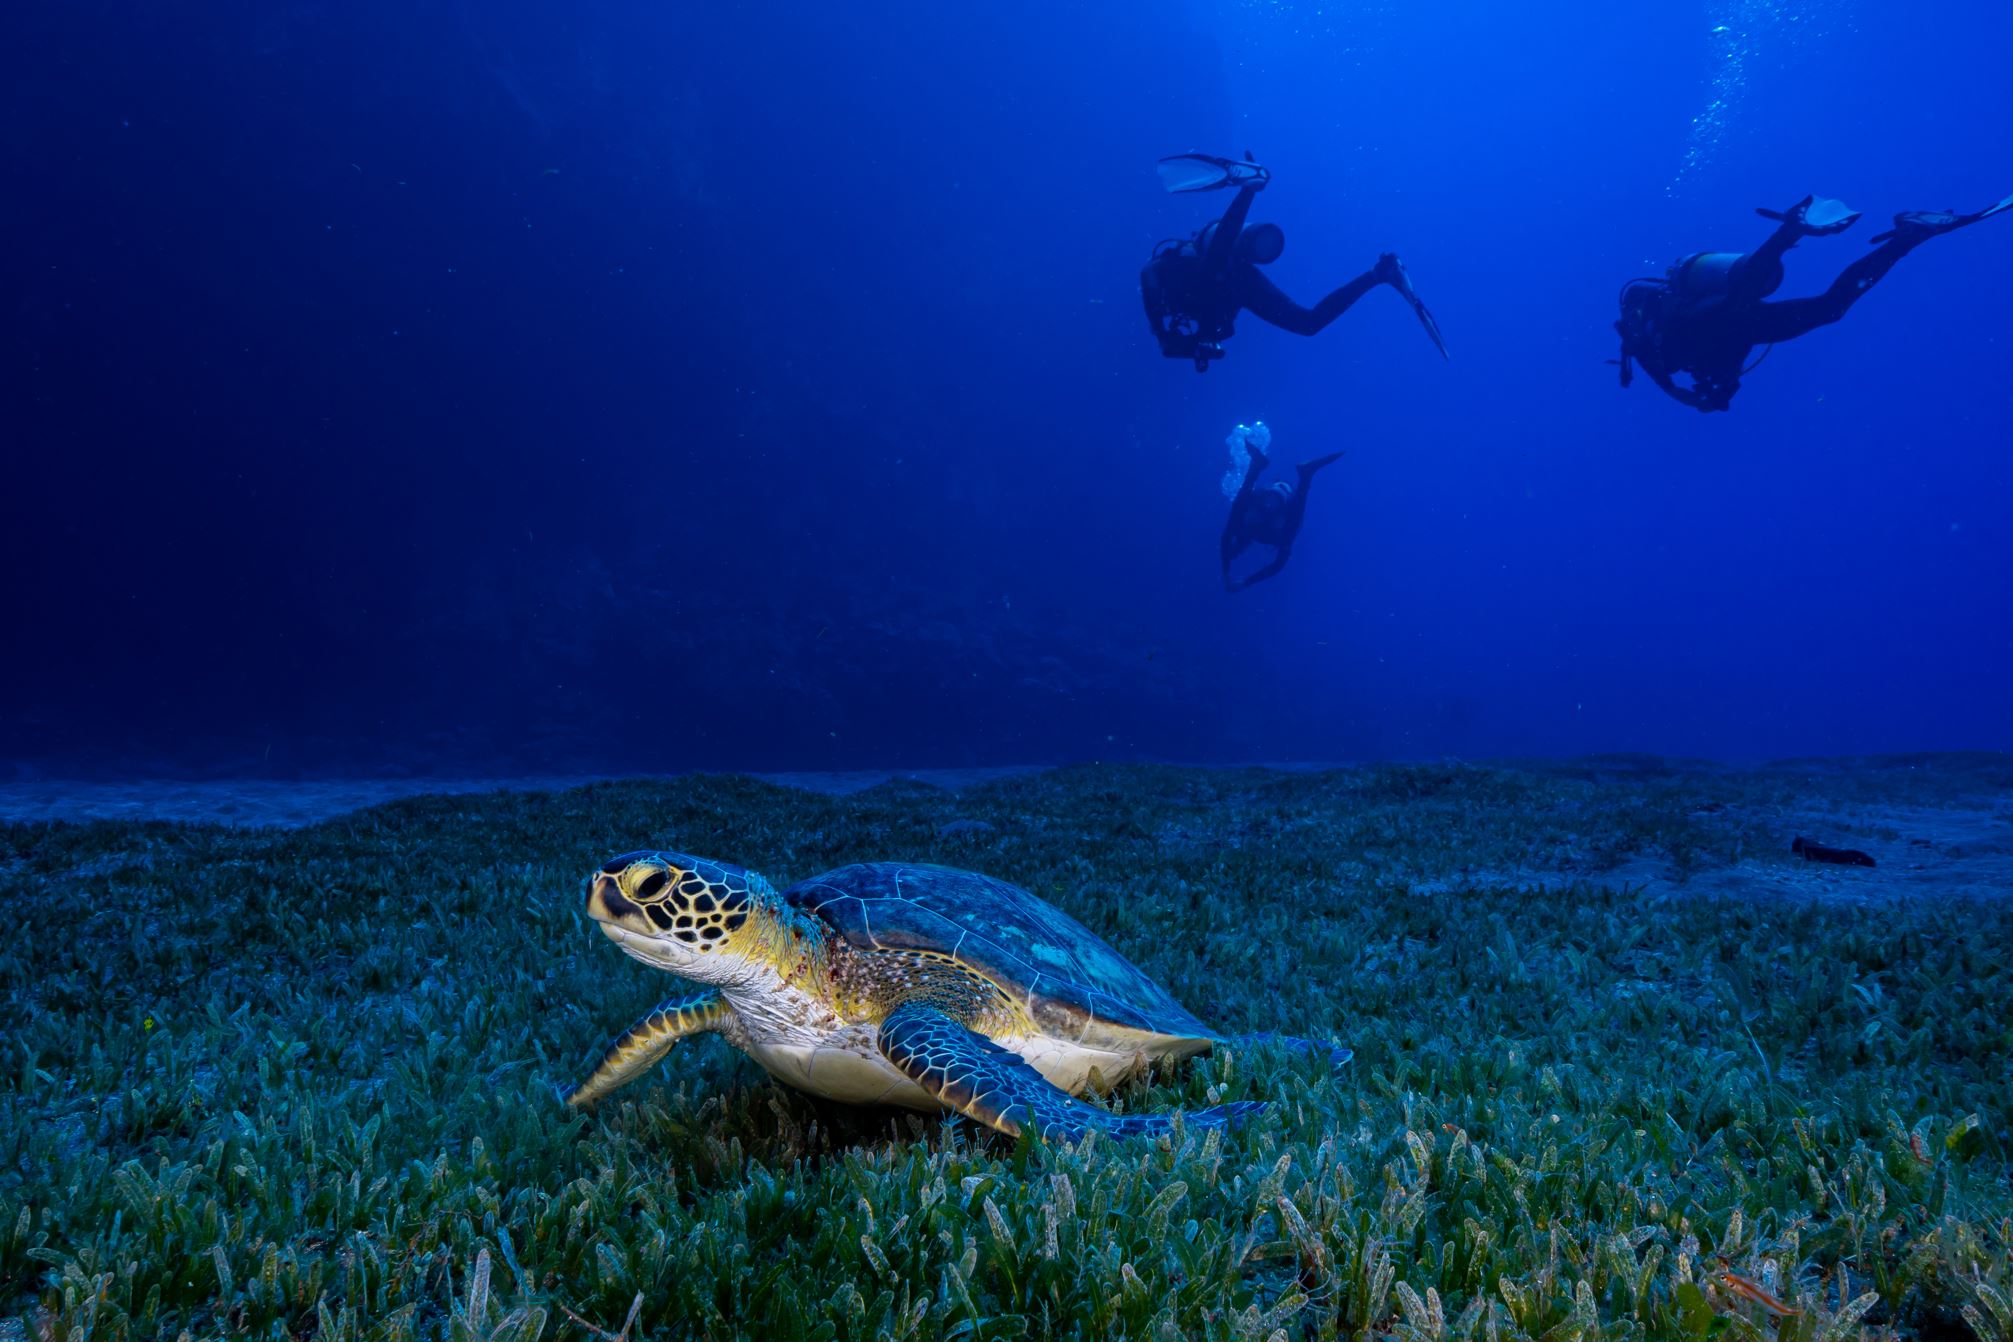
pixel 493 386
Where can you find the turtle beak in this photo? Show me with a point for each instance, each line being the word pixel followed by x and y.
pixel 625 924
pixel 607 905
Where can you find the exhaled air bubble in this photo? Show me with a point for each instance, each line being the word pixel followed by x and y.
pixel 1741 34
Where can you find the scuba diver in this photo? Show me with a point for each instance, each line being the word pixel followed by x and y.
pixel 1269 516
pixel 1707 315
pixel 1194 288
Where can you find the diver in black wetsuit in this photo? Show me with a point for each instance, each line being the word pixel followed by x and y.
pixel 1194 289
pixel 1708 313
pixel 1269 516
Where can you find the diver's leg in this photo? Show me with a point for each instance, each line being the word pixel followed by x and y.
pixel 1344 298
pixel 1263 299
pixel 1784 321
pixel 1918 225
pixel 1771 322
pixel 1306 470
pixel 1223 239
pixel 1759 273
pixel 1296 511
pixel 1788 233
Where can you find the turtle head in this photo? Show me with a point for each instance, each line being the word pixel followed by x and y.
pixel 678 912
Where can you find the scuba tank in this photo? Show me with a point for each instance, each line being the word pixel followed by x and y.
pixel 1704 276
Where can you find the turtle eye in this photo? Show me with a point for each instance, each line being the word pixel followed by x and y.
pixel 652 885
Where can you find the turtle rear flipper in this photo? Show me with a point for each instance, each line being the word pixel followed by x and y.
pixel 639 1048
pixel 976 1077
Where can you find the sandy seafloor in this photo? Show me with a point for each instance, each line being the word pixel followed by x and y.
pixel 1925 845
pixel 261 801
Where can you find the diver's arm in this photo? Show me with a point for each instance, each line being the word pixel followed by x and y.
pixel 1233 525
pixel 1691 396
pixel 1254 468
pixel 1232 223
pixel 1271 570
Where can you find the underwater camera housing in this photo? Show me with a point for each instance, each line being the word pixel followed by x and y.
pixel 1205 351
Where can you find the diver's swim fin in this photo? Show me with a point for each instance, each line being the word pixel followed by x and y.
pixel 1207 172
pixel 1929 223
pixel 1815 216
pixel 1403 284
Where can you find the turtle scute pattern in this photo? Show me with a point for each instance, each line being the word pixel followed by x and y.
pixel 1065 976
pixel 863 984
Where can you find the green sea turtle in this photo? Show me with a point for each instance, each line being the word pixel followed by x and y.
pixel 894 983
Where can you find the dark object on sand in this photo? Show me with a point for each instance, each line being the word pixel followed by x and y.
pixel 1817 852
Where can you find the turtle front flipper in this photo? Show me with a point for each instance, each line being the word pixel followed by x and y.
pixel 971 1074
pixel 637 1049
